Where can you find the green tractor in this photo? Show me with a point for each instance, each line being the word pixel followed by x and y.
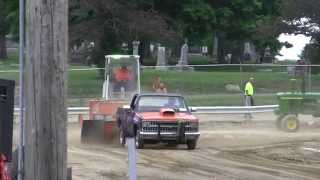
pixel 293 103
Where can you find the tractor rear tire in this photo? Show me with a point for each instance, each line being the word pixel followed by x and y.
pixel 290 123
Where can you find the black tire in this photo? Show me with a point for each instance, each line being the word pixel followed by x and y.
pixel 139 141
pixel 192 144
pixel 122 138
pixel 290 123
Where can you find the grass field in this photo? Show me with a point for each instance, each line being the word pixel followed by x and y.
pixel 200 87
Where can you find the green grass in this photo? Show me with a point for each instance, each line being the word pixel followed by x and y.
pixel 84 84
pixel 228 100
pixel 215 82
pixel 13 58
pixel 200 87
pixel 11 63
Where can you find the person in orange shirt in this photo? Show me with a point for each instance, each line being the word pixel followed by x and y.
pixel 122 77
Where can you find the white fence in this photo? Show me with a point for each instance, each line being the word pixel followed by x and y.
pixel 199 110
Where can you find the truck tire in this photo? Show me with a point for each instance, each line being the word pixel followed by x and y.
pixel 191 144
pixel 122 138
pixel 290 123
pixel 139 141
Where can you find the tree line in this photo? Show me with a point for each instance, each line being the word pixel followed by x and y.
pixel 110 23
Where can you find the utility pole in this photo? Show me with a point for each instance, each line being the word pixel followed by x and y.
pixel 45 89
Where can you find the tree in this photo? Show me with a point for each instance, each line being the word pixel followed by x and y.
pixel 303 17
pixel 9 20
pixel 238 21
pixel 12 17
pixel 3 29
pixel 170 21
pixel 311 53
pixel 109 23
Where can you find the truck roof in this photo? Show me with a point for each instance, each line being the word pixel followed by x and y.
pixel 159 94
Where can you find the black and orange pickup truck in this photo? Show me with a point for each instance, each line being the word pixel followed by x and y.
pixel 154 118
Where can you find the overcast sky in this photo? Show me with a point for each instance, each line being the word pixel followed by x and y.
pixel 298 42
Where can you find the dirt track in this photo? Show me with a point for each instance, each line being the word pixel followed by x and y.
pixel 226 151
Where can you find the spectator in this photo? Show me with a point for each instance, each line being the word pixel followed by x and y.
pixel 249 92
pixel 161 88
pixel 156 83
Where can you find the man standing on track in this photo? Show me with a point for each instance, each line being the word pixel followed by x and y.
pixel 249 92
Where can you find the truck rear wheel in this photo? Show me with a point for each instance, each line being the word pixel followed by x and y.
pixel 139 141
pixel 290 123
pixel 191 144
pixel 122 138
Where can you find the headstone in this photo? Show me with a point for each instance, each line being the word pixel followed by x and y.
pixel 184 54
pixel 227 58
pixel 254 55
pixel 250 51
pixel 267 55
pixel 215 47
pixel 124 47
pixel 135 47
pixel 183 62
pixel 204 50
pixel 247 51
pixel 151 48
pixel 161 58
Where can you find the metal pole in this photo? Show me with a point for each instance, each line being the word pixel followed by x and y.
pixel 132 174
pixel 21 82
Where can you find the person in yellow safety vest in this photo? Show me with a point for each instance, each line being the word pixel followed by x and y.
pixel 249 92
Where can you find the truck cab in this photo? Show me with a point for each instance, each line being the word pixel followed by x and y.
pixel 122 77
pixel 159 118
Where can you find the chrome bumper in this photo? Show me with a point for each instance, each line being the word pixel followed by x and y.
pixel 168 135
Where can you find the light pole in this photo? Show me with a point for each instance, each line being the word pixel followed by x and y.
pixel 21 83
